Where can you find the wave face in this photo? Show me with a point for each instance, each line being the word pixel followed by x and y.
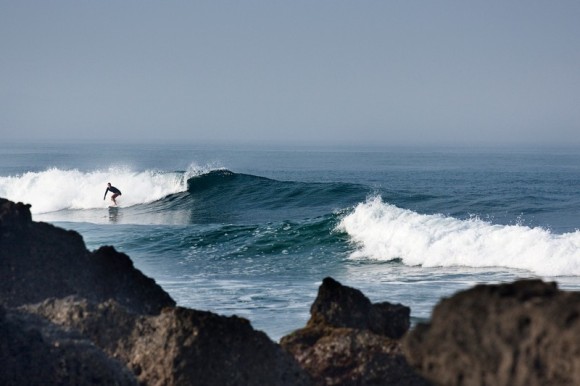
pixel 382 231
pixel 224 196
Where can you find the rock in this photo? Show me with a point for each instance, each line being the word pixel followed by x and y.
pixel 14 216
pixel 340 306
pixel 36 352
pixel 180 346
pixel 522 333
pixel 347 356
pixel 350 341
pixel 114 277
pixel 39 260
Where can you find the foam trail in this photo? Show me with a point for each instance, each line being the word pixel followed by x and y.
pixel 56 189
pixel 385 232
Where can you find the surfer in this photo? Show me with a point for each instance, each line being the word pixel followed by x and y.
pixel 116 192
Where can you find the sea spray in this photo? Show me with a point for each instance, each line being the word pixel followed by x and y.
pixel 382 231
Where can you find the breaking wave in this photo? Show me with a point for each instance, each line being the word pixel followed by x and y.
pixel 381 231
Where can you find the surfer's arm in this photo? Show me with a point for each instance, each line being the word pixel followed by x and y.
pixel 106 191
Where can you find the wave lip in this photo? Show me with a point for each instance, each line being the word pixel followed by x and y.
pixel 385 232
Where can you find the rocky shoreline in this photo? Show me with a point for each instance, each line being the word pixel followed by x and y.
pixel 69 316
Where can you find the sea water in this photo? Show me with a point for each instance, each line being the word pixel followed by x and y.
pixel 252 231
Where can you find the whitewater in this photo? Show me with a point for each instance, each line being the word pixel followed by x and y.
pixel 56 189
pixel 253 231
pixel 385 232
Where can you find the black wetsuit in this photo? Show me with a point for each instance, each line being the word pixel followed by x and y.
pixel 113 190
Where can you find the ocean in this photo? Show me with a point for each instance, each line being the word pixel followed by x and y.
pixel 253 230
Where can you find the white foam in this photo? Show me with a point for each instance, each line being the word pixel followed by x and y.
pixel 385 232
pixel 57 189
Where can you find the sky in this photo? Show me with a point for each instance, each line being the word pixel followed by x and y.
pixel 291 72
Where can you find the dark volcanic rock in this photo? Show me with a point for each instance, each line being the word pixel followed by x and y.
pixel 347 356
pixel 180 346
pixel 38 261
pixel 14 216
pixel 524 333
pixel 36 352
pixel 350 341
pixel 340 306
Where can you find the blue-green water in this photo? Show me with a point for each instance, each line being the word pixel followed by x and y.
pixel 253 231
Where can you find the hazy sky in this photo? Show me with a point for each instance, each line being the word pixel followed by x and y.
pixel 272 71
